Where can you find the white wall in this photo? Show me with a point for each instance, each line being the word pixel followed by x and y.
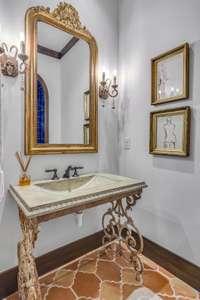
pixel 100 16
pixel 169 210
pixel 75 70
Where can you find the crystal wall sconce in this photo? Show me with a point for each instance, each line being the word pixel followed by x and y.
pixel 108 88
pixel 9 65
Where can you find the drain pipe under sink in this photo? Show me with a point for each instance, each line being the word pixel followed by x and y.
pixel 79 218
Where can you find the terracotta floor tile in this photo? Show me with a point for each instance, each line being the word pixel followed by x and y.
pixel 157 283
pixel 13 297
pixel 110 291
pixel 128 290
pixel 48 279
pixel 60 294
pixel 93 255
pixel 107 254
pixel 149 264
pixel 79 278
pixel 64 278
pixel 165 272
pixel 73 266
pixel 182 289
pixel 128 276
pixel 44 290
pixel 86 285
pixel 184 298
pixel 88 266
pixel 168 298
pixel 122 262
pixel 108 270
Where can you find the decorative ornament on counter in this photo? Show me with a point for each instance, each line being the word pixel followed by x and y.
pixel 24 179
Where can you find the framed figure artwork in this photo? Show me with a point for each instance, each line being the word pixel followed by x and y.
pixel 170 132
pixel 170 76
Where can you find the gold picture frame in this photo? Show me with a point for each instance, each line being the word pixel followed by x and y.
pixel 86 99
pixel 86 134
pixel 170 76
pixel 170 132
pixel 66 18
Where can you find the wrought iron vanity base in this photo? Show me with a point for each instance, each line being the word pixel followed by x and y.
pixel 28 282
pixel 118 225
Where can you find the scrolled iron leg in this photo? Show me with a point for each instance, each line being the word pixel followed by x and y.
pixel 118 225
pixel 28 283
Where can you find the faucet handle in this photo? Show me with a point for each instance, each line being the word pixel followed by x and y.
pixel 55 176
pixel 75 171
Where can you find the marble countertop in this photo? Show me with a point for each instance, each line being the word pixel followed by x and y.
pixel 35 200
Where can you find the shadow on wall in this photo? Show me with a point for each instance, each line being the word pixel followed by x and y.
pixel 188 164
pixel 124 112
pixel 163 224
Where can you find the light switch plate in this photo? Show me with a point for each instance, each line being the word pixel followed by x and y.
pixel 127 143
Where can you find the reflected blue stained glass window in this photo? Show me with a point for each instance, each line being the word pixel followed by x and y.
pixel 41 112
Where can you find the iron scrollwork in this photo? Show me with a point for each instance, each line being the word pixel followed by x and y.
pixel 118 225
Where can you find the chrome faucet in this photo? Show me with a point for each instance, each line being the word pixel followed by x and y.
pixel 67 172
pixel 55 176
pixel 75 171
pixel 70 168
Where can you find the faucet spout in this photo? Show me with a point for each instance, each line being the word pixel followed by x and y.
pixel 67 172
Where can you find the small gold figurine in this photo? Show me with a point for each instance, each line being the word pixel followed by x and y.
pixel 24 164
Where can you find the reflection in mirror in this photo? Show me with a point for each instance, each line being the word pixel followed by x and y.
pixel 42 111
pixel 63 87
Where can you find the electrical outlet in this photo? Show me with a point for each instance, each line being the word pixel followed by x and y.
pixel 127 143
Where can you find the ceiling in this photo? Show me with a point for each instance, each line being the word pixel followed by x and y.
pixel 51 37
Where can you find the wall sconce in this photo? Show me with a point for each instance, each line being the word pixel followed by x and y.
pixel 9 59
pixel 107 88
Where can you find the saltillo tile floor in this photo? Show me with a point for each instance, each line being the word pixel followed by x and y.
pixel 101 276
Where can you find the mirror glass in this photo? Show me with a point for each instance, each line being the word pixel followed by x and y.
pixel 63 87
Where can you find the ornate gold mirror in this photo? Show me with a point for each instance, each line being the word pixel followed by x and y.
pixel 61 83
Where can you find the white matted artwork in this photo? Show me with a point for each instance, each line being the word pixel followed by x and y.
pixel 170 132
pixel 170 80
pixel 170 77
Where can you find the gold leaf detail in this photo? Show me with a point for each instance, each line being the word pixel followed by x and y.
pixel 41 9
pixel 67 14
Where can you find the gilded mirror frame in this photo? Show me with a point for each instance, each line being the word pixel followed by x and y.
pixel 64 17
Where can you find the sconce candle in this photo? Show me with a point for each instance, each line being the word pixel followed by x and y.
pixel 22 45
pixel 115 77
pixel 107 89
pixel 103 74
pixel 22 55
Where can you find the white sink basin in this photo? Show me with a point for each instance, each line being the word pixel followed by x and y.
pixel 66 185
